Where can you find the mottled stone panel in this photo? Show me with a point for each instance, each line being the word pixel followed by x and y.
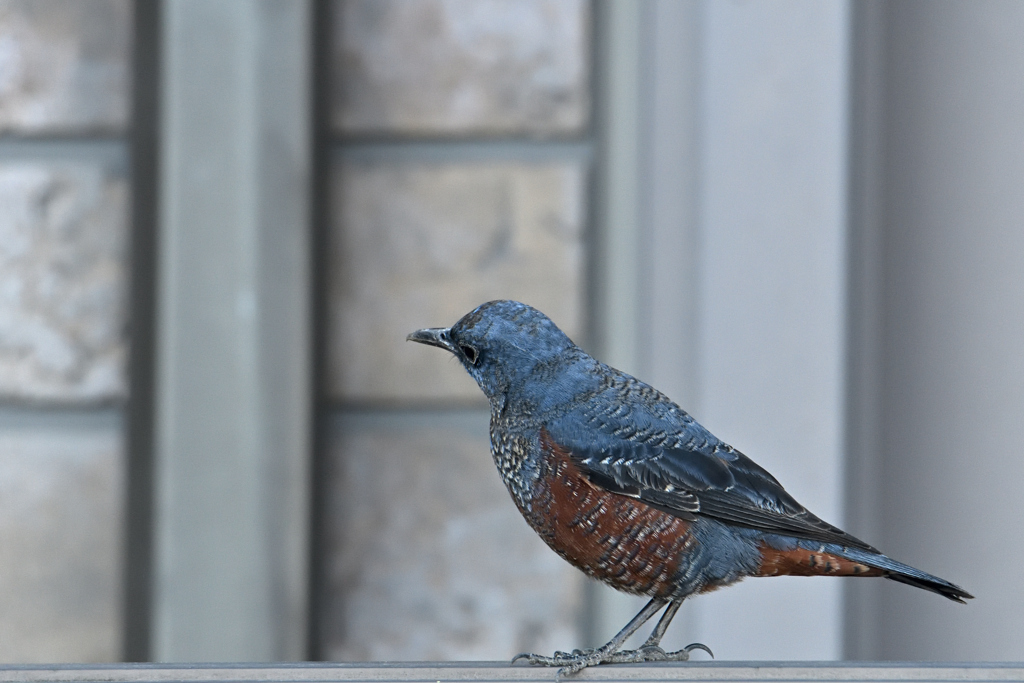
pixel 428 557
pixel 60 544
pixel 419 245
pixel 64 66
pixel 63 235
pixel 461 66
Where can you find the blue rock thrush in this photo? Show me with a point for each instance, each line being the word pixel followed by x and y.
pixel 626 486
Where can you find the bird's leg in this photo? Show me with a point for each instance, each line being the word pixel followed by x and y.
pixel 577 660
pixel 659 631
pixel 651 650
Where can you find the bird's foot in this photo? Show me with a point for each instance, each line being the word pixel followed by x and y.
pixel 653 653
pixel 558 659
pixel 569 662
pixel 577 660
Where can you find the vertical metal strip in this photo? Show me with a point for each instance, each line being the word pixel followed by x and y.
pixel 320 98
pixel 864 334
pixel 145 180
pixel 232 399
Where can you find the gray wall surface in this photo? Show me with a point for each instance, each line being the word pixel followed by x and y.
pixel 65 194
pixel 953 325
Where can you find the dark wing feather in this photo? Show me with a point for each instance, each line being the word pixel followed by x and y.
pixel 656 453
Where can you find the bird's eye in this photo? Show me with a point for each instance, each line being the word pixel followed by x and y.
pixel 469 352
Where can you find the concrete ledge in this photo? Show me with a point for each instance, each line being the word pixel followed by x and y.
pixel 432 672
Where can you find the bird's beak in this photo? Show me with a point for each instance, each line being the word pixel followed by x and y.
pixel 433 336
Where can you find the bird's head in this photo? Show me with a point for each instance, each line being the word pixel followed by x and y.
pixel 499 343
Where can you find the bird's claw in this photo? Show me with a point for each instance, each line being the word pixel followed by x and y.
pixel 696 646
pixel 577 660
pixel 537 660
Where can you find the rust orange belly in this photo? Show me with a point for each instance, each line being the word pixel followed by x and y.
pixel 613 538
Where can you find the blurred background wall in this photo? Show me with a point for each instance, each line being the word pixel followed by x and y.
pixel 220 218
pixel 65 193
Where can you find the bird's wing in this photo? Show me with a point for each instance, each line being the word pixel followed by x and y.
pixel 653 451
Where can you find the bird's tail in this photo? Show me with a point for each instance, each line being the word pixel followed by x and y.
pixel 831 559
pixel 904 573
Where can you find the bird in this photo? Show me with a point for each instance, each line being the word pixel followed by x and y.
pixel 632 490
